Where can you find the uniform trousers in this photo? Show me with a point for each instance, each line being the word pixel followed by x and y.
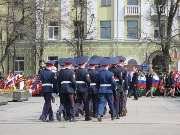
pixel 103 99
pixel 67 103
pixel 82 97
pixel 47 109
pixel 94 98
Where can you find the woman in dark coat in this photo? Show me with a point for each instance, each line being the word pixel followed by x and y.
pixel 150 84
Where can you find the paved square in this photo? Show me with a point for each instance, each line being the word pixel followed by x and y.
pixel 147 116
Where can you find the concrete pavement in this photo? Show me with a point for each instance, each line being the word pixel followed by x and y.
pixel 147 116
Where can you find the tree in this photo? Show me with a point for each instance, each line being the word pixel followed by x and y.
pixel 25 20
pixel 81 34
pixel 168 38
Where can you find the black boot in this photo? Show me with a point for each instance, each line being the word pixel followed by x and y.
pixel 99 118
pixel 58 116
pixel 87 118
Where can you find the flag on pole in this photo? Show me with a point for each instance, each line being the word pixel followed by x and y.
pixel 176 54
pixel 146 56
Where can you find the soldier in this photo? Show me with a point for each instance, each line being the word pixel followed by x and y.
pixel 93 91
pixel 123 99
pixel 66 88
pixel 83 82
pixel 81 107
pixel 105 83
pixel 49 89
pixel 118 78
pixel 62 67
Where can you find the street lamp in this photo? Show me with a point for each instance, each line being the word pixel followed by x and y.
pixel 117 41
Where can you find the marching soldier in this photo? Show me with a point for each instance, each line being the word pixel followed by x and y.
pixel 105 83
pixel 118 78
pixel 62 67
pixel 123 99
pixel 66 88
pixel 49 89
pixel 93 91
pixel 83 82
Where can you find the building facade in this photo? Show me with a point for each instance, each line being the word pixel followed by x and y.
pixel 104 27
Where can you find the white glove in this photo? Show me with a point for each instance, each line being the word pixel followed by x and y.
pixel 126 91
pixel 54 95
pixel 30 90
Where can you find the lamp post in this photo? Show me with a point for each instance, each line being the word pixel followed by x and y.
pixel 117 41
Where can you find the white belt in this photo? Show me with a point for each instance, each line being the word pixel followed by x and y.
pixel 116 80
pixel 80 81
pixel 65 82
pixel 92 84
pixel 47 84
pixel 105 85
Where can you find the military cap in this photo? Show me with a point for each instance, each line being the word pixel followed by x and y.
pixel 74 62
pixel 121 58
pixel 104 62
pixel 114 60
pixel 93 61
pixel 49 63
pixel 68 61
pixel 61 61
pixel 81 60
pixel 94 57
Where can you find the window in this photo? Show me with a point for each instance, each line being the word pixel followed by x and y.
pixel 19 64
pixel 53 30
pixel 21 36
pixel 132 29
pixel 157 28
pixel 105 2
pixel 77 2
pixel 17 3
pixel 105 29
pixel 78 29
pixel 161 2
pixel 53 2
pixel 54 58
pixel 132 62
pixel 132 2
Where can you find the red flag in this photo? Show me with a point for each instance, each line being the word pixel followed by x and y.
pixel 176 54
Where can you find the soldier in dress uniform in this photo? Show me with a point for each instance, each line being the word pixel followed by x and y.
pixel 62 67
pixel 49 89
pixel 66 88
pixel 118 78
pixel 81 107
pixel 105 83
pixel 123 98
pixel 93 91
pixel 83 82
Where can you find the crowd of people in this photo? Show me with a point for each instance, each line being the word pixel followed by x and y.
pixel 83 82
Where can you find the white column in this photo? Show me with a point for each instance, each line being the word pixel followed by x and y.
pixel 145 19
pixel 65 19
pixel 120 19
pixel 39 18
pixel 92 19
pixel 179 65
